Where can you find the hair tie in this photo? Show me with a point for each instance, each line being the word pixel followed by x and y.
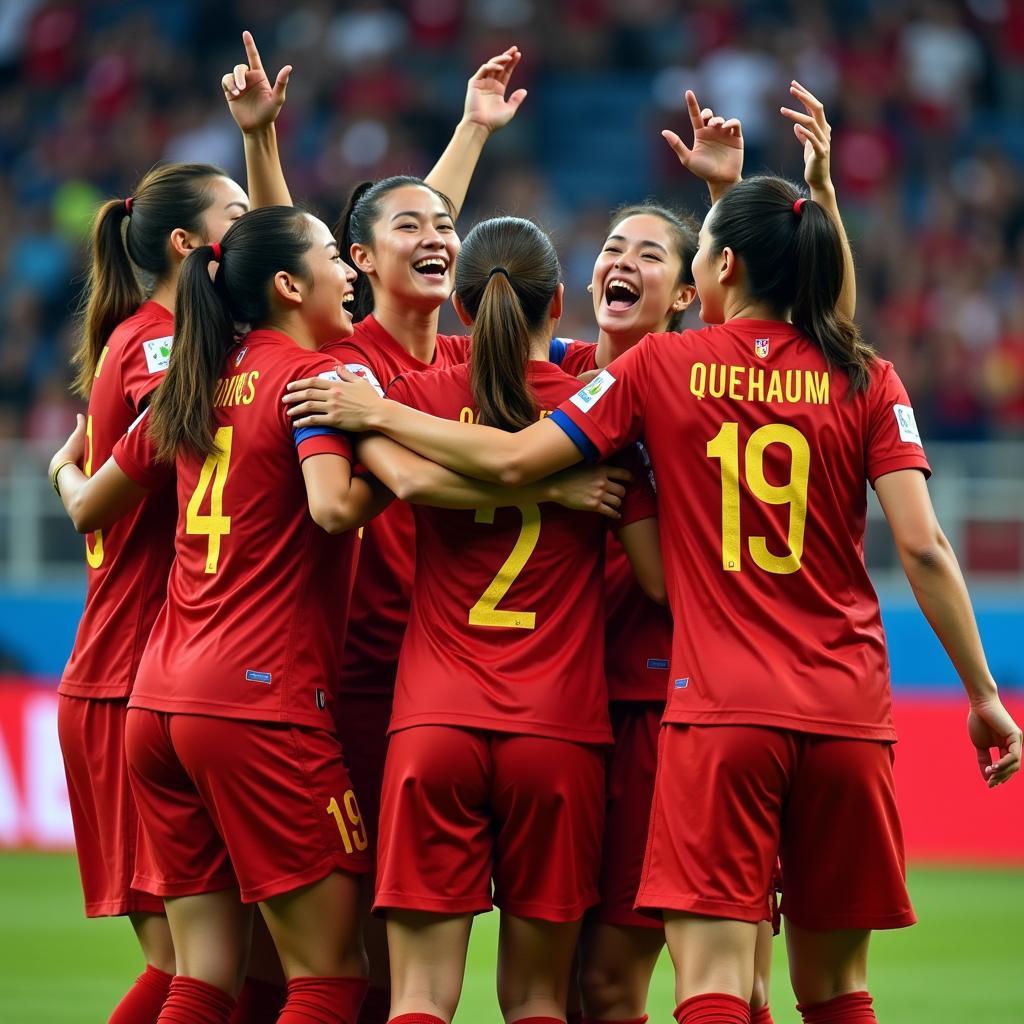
pixel 798 206
pixel 498 270
pixel 218 252
pixel 128 205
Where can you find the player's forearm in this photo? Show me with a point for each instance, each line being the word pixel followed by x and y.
pixel 826 197
pixel 718 188
pixel 454 170
pixel 267 185
pixel 941 593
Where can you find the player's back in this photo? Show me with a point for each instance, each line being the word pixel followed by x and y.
pixel 505 626
pixel 127 563
pixel 255 612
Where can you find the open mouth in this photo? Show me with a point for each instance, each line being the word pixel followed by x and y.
pixel 348 302
pixel 620 294
pixel 431 266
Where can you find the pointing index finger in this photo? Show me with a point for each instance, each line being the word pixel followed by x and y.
pixel 251 52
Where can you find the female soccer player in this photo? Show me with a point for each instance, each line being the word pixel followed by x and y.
pixel 400 235
pixel 762 429
pixel 230 737
pixel 495 766
pixel 122 356
pixel 642 283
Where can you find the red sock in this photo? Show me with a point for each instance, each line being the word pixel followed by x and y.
pixel 592 1020
pixel 416 1018
pixel 713 1008
pixel 762 1016
pixel 323 1000
pixel 142 1002
pixel 376 1006
pixel 191 1001
pixel 852 1008
pixel 259 1002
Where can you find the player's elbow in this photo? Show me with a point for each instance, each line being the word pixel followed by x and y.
pixel 332 516
pixel 655 589
pixel 923 552
pixel 84 518
pixel 511 471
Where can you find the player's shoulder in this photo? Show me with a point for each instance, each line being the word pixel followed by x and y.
pixel 432 389
pixel 452 349
pixel 144 337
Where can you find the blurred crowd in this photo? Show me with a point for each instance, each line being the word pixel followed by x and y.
pixel 926 100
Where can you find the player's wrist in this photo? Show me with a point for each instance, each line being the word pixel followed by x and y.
pixel 261 132
pixel 717 187
pixel 479 131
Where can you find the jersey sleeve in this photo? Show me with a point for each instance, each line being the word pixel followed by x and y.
pixel 321 440
pixel 575 357
pixel 143 365
pixel 135 455
pixel 640 501
pixel 893 441
pixel 607 413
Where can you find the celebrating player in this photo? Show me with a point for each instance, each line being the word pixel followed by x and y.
pixel 495 767
pixel 762 429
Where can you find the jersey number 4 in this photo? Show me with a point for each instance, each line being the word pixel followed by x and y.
pixel 212 477
pixel 486 611
pixel 94 554
pixel 725 447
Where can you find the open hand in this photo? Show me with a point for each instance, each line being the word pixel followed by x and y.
pixel 814 133
pixel 717 153
pixel 254 103
pixel 344 404
pixel 486 103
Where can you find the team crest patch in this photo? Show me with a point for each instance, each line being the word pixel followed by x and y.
pixel 158 353
pixel 761 347
pixel 908 424
pixel 592 393
pixel 367 374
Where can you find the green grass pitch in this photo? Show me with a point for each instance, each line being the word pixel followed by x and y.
pixel 963 963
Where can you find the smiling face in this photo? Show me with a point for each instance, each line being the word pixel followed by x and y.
pixel 636 285
pixel 327 295
pixel 412 256
pixel 706 275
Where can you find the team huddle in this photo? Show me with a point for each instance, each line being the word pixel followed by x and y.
pixel 385 627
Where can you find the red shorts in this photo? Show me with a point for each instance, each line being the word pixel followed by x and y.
pixel 728 798
pixel 264 806
pixel 462 807
pixel 103 811
pixel 362 720
pixel 630 790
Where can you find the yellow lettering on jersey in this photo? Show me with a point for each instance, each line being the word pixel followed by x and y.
pixel 250 385
pixel 698 380
pixel 94 554
pixel 817 387
pixel 99 362
pixel 716 386
pixel 735 373
pixel 748 384
pixel 239 389
pixel 774 387
pixel 755 382
pixel 468 415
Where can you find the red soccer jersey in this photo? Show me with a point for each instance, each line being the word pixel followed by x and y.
pixel 255 615
pixel 638 632
pixel 127 564
pixel 387 551
pixel 501 629
pixel 762 462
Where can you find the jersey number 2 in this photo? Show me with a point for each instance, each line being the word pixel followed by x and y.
pixel 212 478
pixel 725 447
pixel 486 611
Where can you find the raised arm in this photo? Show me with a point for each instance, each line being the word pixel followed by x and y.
pixel 254 104
pixel 512 459
pixel 487 109
pixel 414 478
pixel 717 154
pixel 91 502
pixel 814 133
pixel 934 575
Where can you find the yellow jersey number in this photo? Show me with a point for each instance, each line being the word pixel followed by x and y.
pixel 94 554
pixel 486 611
pixel 212 478
pixel 725 447
pixel 350 821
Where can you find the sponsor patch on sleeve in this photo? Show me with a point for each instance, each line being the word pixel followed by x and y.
pixel 158 353
pixel 590 394
pixel 366 373
pixel 907 424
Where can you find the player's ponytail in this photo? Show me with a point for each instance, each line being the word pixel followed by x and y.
pixel 355 227
pixel 254 249
pixel 507 276
pixel 793 258
pixel 131 253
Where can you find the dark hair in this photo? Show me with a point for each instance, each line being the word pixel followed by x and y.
pixel 168 197
pixel 255 248
pixel 355 227
pixel 684 230
pixel 794 264
pixel 507 275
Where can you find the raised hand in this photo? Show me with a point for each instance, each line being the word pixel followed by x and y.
pixel 814 133
pixel 254 103
pixel 989 726
pixel 717 153
pixel 486 103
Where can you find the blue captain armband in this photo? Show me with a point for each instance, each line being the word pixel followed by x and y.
pixel 587 447
pixel 557 350
pixel 306 433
